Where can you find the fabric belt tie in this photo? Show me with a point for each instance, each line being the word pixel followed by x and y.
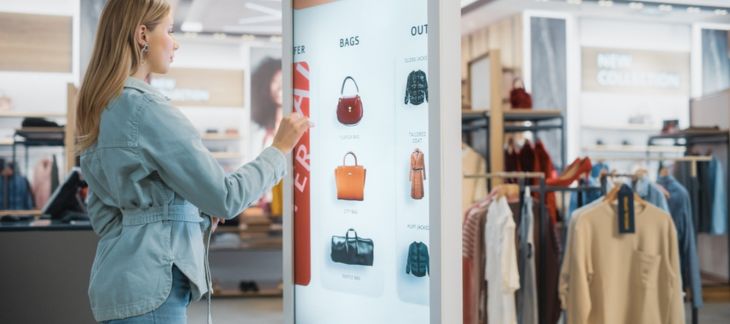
pixel 180 213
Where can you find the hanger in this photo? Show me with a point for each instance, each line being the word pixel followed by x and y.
pixel 664 172
pixel 506 190
pixel 612 195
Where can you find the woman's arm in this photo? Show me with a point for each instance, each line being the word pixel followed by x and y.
pixel 171 146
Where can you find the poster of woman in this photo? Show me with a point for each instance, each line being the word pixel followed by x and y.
pixel 266 97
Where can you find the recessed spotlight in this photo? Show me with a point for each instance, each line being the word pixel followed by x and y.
pixel 248 37
pixel 693 10
pixel 219 36
pixel 575 2
pixel 665 7
pixel 636 5
pixel 605 3
pixel 721 12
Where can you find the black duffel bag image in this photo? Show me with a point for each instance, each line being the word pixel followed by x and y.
pixel 352 249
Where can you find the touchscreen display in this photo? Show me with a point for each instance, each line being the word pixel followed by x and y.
pixel 361 190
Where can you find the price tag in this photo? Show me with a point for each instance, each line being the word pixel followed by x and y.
pixel 625 215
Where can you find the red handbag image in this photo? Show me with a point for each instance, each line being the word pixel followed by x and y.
pixel 349 109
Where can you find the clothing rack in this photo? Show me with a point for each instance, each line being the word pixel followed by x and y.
pixel 541 189
pixel 532 121
pixel 701 136
pixel 542 211
pixel 693 189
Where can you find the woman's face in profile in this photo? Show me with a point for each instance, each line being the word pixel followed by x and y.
pixel 275 88
pixel 162 46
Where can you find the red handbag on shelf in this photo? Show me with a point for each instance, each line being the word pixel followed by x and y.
pixel 518 97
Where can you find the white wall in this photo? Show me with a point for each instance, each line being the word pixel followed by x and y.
pixel 614 109
pixel 221 54
pixel 34 91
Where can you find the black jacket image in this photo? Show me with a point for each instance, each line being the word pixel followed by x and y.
pixel 416 88
pixel 417 263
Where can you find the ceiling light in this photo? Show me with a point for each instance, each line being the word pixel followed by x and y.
pixel 219 36
pixel 192 26
pixel 693 10
pixel 575 2
pixel 605 3
pixel 248 37
pixel 636 5
pixel 665 7
pixel 720 12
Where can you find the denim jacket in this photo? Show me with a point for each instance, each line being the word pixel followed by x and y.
pixel 680 207
pixel 152 186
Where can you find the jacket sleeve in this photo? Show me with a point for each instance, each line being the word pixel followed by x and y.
pixel 511 278
pixel 579 268
pixel 105 220
pixel 690 263
pixel 171 146
pixel 425 83
pixel 428 262
pixel 564 279
pixel 675 295
pixel 408 86
pixel 408 259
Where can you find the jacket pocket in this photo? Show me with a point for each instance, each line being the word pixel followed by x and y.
pixel 646 269
pixel 149 190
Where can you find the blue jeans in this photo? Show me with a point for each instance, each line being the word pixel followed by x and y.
pixel 173 310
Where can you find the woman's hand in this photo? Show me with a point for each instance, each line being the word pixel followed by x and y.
pixel 214 223
pixel 290 131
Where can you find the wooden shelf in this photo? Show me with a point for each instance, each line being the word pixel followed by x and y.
pixel 221 137
pixel 642 128
pixel 262 243
pixel 238 293
pixel 23 114
pixel 634 149
pixel 34 212
pixel 514 114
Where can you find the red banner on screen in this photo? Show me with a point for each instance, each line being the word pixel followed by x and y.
pixel 302 257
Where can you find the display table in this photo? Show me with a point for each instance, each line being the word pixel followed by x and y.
pixel 44 272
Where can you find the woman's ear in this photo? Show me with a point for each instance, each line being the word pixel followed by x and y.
pixel 140 35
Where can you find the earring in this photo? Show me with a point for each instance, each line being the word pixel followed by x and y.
pixel 145 48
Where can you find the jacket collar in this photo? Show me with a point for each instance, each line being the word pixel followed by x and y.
pixel 140 85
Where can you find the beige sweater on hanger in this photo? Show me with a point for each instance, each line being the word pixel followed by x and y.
pixel 622 278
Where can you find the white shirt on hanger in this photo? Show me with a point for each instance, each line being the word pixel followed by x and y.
pixel 501 268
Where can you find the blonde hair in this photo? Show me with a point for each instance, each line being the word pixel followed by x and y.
pixel 116 56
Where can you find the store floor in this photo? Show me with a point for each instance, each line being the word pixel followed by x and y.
pixel 269 311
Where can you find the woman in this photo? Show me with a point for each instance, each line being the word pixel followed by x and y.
pixel 152 182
